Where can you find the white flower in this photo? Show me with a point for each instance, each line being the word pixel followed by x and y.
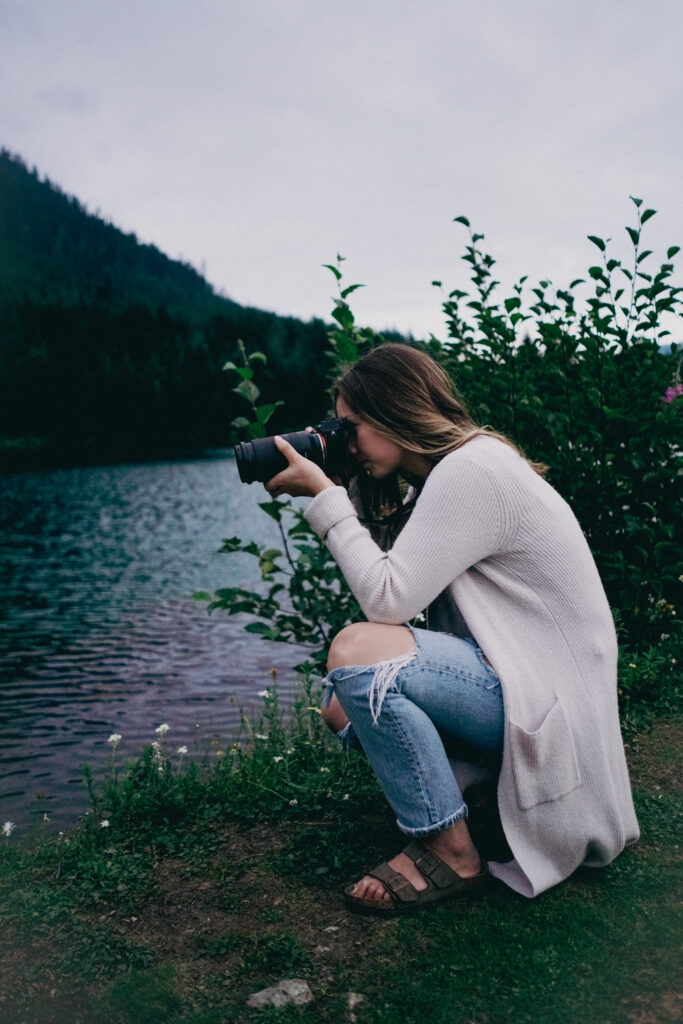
pixel 290 750
pixel 276 759
pixel 324 769
pixel 263 693
pixel 181 750
pixel 346 796
pixel 293 802
pixel 260 736
pixel 104 824
pixel 45 818
pixel 162 729
pixel 8 828
pixel 115 739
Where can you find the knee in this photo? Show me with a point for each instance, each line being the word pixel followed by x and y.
pixel 334 715
pixel 367 643
pixel 349 646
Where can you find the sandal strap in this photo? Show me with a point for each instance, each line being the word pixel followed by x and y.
pixel 397 884
pixel 429 865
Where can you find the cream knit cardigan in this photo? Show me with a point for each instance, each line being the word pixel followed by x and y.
pixel 512 555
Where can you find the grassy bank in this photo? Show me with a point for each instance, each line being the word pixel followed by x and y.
pixel 191 886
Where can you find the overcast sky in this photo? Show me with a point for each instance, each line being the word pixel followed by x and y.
pixel 256 140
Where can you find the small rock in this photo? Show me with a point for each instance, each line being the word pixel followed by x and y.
pixel 331 928
pixel 353 1000
pixel 291 990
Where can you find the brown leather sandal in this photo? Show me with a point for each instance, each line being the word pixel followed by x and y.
pixel 443 883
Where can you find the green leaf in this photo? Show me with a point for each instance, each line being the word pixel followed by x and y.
pixel 646 215
pixel 337 273
pixel 201 595
pixel 230 544
pixel 633 199
pixel 436 284
pixel 264 412
pixel 229 366
pixel 633 235
pixel 461 220
pixel 597 241
pixel 671 252
pixel 351 288
pixel 245 372
pixel 247 390
pixel 258 355
pixel 346 349
pixel 240 421
pixel 343 315
pixel 273 508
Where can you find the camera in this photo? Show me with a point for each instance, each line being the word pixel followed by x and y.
pixel 327 446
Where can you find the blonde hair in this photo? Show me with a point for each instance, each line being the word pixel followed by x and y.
pixel 408 397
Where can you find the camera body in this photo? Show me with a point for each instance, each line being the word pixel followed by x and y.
pixel 327 446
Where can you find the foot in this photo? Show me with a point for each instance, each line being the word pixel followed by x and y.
pixel 453 846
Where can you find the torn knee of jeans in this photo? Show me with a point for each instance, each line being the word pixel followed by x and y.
pixel 383 680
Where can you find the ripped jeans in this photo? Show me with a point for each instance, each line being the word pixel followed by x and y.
pixel 411 713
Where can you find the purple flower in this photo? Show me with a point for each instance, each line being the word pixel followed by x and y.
pixel 672 393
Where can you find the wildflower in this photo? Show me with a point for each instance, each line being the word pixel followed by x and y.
pixel 672 393
pixel 631 664
pixel 310 708
pixel 115 739
pixel 263 693
pixel 324 769
pixel 260 736
pixel 290 750
pixel 162 729
pixel 104 823
pixel 273 671
pixel 276 759
pixel 181 750
pixel 45 819
pixel 293 802
pixel 8 828
pixel 346 796
pixel 219 753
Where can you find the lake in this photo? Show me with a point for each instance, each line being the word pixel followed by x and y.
pixel 98 631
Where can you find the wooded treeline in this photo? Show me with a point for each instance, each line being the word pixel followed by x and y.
pixel 109 349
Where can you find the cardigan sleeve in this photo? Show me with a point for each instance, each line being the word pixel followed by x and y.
pixel 458 520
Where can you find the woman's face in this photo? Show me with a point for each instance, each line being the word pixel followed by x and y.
pixel 376 453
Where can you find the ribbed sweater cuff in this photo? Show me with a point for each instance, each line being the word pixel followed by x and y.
pixel 327 509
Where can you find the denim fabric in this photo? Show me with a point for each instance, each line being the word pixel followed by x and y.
pixel 446 700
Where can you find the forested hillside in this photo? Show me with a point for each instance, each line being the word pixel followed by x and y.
pixel 109 349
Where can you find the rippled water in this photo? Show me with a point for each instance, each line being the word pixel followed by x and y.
pixel 98 632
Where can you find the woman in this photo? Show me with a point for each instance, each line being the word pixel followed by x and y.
pixel 519 659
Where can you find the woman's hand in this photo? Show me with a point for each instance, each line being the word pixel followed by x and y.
pixel 302 478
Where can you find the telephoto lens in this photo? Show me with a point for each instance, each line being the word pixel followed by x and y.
pixel 327 446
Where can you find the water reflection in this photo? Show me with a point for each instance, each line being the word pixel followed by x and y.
pixel 98 632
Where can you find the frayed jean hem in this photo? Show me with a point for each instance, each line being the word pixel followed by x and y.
pixel 440 826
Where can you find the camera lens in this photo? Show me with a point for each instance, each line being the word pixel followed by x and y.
pixel 260 460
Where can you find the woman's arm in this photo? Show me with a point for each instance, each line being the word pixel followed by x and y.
pixel 458 520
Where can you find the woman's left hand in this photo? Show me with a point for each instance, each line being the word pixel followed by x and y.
pixel 302 478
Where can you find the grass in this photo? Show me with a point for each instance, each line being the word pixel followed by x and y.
pixel 212 881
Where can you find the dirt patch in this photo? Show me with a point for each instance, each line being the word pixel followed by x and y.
pixel 654 758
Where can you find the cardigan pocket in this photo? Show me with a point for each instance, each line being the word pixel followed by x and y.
pixel 544 761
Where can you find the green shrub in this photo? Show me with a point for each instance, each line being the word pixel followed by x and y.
pixel 592 388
